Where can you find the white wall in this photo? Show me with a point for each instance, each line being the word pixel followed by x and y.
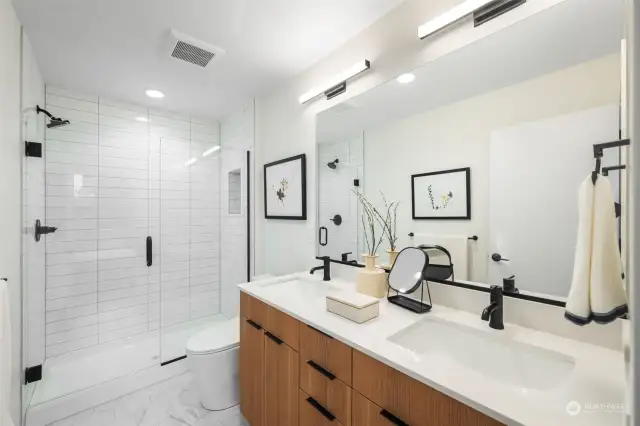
pixel 458 135
pixel 33 200
pixel 285 128
pixel 11 153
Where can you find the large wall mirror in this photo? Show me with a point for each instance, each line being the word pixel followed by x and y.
pixel 510 120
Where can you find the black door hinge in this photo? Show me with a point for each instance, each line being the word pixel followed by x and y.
pixel 33 149
pixel 33 374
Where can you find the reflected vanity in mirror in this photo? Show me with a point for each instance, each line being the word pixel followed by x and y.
pixel 521 122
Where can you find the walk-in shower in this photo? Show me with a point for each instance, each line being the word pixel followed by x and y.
pixel 151 241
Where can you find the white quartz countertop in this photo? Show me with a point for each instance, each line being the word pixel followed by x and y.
pixel 597 382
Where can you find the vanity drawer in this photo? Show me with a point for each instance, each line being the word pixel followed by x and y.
pixel 386 387
pixel 329 353
pixel 284 327
pixel 406 398
pixel 312 413
pixel 328 390
pixel 253 309
pixel 366 413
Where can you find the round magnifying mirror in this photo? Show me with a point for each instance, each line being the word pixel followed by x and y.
pixel 408 270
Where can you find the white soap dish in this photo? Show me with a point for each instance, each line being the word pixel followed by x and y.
pixel 354 306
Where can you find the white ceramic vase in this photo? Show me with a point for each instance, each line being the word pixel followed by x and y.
pixel 371 280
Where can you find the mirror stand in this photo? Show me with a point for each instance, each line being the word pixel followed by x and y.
pixel 417 306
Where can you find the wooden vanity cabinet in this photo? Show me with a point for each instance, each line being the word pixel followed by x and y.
pixel 294 375
pixel 406 399
pixel 252 369
pixel 281 383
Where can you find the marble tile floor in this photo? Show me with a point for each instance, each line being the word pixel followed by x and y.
pixel 169 403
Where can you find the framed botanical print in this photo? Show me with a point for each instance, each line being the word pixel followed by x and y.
pixel 444 194
pixel 285 189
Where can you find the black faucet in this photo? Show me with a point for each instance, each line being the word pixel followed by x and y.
pixel 494 312
pixel 345 258
pixel 326 267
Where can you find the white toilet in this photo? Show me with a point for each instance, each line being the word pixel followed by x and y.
pixel 212 356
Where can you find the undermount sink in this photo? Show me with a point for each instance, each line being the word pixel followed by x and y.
pixel 515 363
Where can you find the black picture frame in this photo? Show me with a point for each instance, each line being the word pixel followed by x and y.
pixel 303 173
pixel 466 170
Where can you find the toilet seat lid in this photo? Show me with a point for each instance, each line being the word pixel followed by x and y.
pixel 217 338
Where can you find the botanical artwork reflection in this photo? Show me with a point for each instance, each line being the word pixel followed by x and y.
pixel 444 199
pixel 443 194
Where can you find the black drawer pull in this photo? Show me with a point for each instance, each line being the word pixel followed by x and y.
pixel 318 331
pixel 321 409
pixel 321 370
pixel 393 419
pixel 272 337
pixel 254 324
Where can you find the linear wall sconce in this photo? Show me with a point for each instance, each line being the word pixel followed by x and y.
pixel 484 9
pixel 336 85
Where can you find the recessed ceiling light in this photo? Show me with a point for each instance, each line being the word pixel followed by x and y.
pixel 406 78
pixel 152 93
pixel 143 119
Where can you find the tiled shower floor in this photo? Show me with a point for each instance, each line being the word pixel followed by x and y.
pixel 169 403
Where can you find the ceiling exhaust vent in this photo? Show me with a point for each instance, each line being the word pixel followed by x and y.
pixel 191 50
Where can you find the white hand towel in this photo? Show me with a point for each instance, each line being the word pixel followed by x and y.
pixel 5 356
pixel 597 291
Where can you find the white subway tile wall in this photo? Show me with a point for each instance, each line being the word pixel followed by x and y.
pixel 112 181
pixel 335 196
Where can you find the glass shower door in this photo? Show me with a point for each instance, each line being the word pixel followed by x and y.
pixel 189 218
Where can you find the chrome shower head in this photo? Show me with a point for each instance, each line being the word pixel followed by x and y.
pixel 54 121
pixel 334 164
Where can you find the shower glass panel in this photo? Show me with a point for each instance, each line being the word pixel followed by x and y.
pixel 189 219
pixel 340 172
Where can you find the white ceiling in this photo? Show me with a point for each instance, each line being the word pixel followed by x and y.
pixel 118 48
pixel 570 33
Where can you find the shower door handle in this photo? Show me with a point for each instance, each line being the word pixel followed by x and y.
pixel 326 235
pixel 149 251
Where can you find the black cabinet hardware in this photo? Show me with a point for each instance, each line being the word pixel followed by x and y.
pixel 393 419
pixel 321 370
pixel 254 324
pixel 149 251
pixel 326 236
pixel 315 404
pixel 272 337
pixel 315 329
pixel 4 279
